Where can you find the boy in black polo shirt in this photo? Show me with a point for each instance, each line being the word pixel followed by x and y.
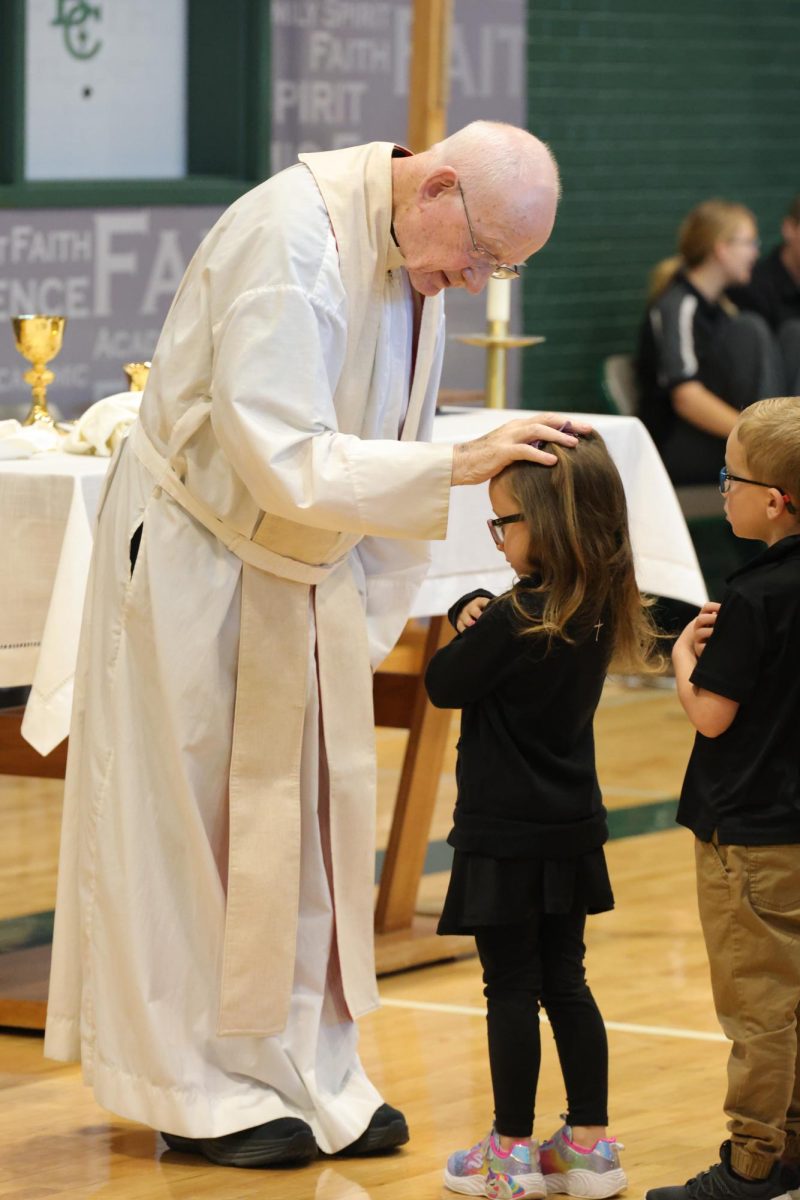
pixel 737 668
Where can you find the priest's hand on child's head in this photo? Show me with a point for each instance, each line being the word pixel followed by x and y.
pixel 479 460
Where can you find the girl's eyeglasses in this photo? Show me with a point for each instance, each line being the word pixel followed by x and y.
pixel 497 527
pixel 726 478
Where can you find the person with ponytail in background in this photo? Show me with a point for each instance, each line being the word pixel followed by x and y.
pixel 700 360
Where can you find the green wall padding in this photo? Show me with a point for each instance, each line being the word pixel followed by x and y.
pixel 649 109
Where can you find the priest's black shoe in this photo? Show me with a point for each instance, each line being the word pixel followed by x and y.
pixel 286 1140
pixel 386 1131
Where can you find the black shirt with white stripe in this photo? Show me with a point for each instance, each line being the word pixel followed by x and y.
pixel 675 346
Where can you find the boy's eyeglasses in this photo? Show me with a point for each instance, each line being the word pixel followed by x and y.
pixel 500 270
pixel 497 527
pixel 726 478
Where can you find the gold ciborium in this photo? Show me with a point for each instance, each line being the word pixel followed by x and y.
pixel 137 375
pixel 38 339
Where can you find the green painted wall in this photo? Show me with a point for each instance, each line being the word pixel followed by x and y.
pixel 649 109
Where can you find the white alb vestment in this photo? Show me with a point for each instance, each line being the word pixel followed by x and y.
pixel 283 438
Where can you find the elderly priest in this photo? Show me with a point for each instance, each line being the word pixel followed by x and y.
pixel 259 542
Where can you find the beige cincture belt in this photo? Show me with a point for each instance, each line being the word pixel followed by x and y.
pixel 264 839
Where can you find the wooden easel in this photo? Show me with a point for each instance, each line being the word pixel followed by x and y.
pixel 429 84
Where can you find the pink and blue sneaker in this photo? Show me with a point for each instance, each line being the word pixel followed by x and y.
pixel 488 1170
pixel 579 1171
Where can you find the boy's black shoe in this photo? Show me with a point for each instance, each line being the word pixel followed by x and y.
pixel 386 1131
pixel 285 1140
pixel 719 1183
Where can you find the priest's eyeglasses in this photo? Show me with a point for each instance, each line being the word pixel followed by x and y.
pixel 497 527
pixel 500 270
pixel 726 477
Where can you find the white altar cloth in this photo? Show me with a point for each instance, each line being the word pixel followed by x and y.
pixel 47 507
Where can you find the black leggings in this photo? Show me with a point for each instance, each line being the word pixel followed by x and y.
pixel 523 966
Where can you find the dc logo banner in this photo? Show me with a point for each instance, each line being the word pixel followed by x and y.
pixel 73 16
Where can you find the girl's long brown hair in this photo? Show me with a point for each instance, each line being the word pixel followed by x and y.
pixel 577 519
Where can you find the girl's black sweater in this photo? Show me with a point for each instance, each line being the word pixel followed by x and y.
pixel 527 784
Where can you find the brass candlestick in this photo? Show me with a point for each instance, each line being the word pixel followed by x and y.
pixel 137 373
pixel 38 338
pixel 498 341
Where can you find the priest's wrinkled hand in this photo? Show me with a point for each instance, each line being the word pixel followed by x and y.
pixel 479 460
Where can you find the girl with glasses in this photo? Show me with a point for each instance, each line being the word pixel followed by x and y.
pixel 527 670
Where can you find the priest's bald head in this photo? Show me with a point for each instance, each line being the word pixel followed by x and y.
pixel 482 200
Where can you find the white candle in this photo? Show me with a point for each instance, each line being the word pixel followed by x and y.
pixel 498 299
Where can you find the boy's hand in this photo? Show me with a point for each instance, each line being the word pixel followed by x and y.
pixel 470 613
pixel 710 713
pixel 704 626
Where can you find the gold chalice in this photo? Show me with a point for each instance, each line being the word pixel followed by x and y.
pixel 38 339
pixel 137 375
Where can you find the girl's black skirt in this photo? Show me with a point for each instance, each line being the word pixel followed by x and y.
pixel 508 891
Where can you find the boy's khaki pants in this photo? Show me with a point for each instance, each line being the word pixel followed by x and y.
pixel 749 901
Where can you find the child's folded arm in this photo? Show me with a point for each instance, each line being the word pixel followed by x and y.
pixel 710 713
pixel 455 609
pixel 470 666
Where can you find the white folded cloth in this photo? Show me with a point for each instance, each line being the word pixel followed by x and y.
pixel 103 426
pixel 23 441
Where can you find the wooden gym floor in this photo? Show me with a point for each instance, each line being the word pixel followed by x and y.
pixel 425 1048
